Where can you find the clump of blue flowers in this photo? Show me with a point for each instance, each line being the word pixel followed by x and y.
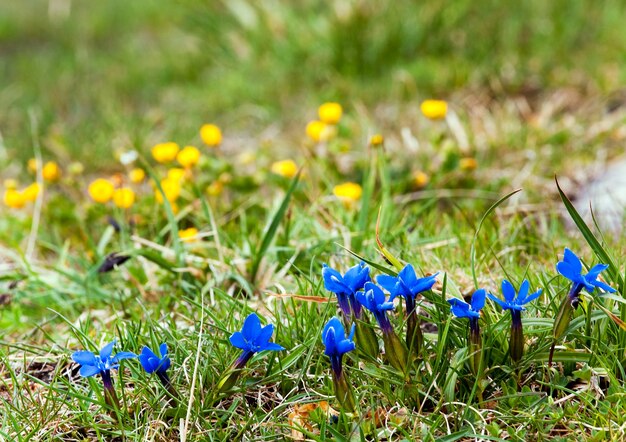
pixel 92 364
pixel 336 345
pixel 514 302
pixel 252 338
pixel 152 363
pixel 572 268
pixel 408 286
pixel 471 311
pixel 346 287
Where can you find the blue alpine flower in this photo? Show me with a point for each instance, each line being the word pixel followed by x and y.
pixel 92 364
pixel 346 286
pixel 462 309
pixel 253 338
pixel 514 302
pixel 337 343
pixel 373 298
pixel 152 363
pixel 409 286
pixel 571 268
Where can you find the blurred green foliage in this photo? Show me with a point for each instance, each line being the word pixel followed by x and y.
pixel 101 75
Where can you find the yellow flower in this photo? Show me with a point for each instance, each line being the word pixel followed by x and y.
pixel 136 175
pixel 124 197
pixel 165 152
pixel 315 130
pixel 31 192
pixel 330 113
pixel 14 199
pixel 101 190
pixel 211 135
pixel 434 109
pixel 468 163
pixel 348 192
pixel 171 188
pixel 285 168
pixel 377 140
pixel 33 165
pixel 10 184
pixel 51 171
pixel 420 179
pixel 176 174
pixel 188 235
pixel 188 157
pixel 215 188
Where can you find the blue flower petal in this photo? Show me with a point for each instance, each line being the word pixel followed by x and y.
pixel 146 358
pixel 408 276
pixel 532 296
pixel 504 304
pixel 523 291
pixel 251 327
pixel 123 355
pixel 265 334
pixel 508 291
pixel 237 340
pixel 84 357
pixel 89 370
pixel 478 300
pixel 272 346
pixel 568 271
pixel 573 261
pixel 387 282
pixel 424 284
pixel 163 349
pixel 356 277
pixel 604 286
pixel 106 351
pixel 333 281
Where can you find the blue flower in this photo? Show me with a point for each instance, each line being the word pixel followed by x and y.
pixel 406 284
pixel 152 363
pixel 92 364
pixel 346 286
pixel 513 300
pixel 373 298
pixel 336 342
pixel 462 309
pixel 571 268
pixel 253 338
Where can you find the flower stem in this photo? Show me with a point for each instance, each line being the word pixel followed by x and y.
pixel 110 396
pixel 366 339
pixel 414 336
pixel 229 379
pixel 516 343
pixel 396 352
pixel 165 380
pixel 475 345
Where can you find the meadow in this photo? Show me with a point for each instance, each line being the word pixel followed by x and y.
pixel 283 220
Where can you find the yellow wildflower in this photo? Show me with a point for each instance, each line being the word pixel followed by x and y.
pixel 165 152
pixel 315 130
pixel 188 235
pixel 348 192
pixel 33 165
pixel 176 174
pixel 468 163
pixel 10 184
pixel 188 157
pixel 420 179
pixel 51 171
pixel 211 135
pixel 330 113
pixel 377 140
pixel 215 188
pixel 136 175
pixel 285 168
pixel 31 192
pixel 171 188
pixel 14 198
pixel 124 197
pixel 434 109
pixel 101 190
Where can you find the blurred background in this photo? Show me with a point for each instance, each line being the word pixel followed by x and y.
pixel 118 73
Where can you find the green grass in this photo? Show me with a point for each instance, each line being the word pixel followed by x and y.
pixel 528 84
